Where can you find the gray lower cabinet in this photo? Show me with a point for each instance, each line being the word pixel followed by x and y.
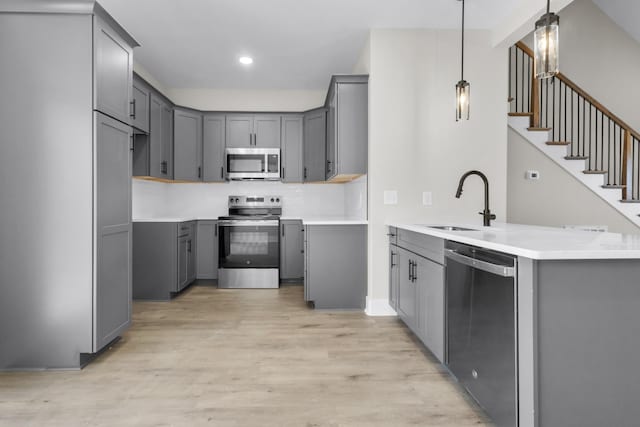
pixel 335 263
pixel 187 142
pixel 291 250
pixel 394 276
pixel 419 272
pixel 141 94
pixel 347 127
pixel 315 145
pixel 207 250
pixel 213 144
pixel 292 150
pixel 164 258
pixel 112 314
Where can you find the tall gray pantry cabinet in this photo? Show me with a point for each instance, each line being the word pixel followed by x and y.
pixel 65 187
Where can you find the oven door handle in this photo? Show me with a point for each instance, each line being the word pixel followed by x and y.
pixel 500 270
pixel 248 223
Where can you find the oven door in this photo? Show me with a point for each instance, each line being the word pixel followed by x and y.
pixel 249 244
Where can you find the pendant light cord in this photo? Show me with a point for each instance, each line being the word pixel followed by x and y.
pixel 462 61
pixel 548 6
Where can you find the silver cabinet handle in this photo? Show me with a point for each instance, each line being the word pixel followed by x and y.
pixel 500 270
pixel 133 109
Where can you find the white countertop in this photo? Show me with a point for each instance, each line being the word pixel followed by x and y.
pixel 541 243
pixel 305 221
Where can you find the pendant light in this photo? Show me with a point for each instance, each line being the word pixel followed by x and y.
pixel 545 43
pixel 463 88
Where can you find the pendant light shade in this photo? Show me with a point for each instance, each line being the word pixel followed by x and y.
pixel 546 43
pixel 463 89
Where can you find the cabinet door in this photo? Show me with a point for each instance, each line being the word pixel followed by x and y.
pixel 191 259
pixel 292 159
pixel 140 106
pixel 394 276
pixel 239 132
pixel 332 141
pixel 315 145
pixel 266 131
pixel 291 249
pixel 112 293
pixel 213 148
pixel 167 142
pixel 351 129
pixel 207 250
pixel 430 282
pixel 183 263
pixel 156 165
pixel 306 279
pixel 406 289
pixel 187 141
pixel 113 72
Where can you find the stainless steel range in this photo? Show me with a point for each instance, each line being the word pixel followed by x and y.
pixel 249 255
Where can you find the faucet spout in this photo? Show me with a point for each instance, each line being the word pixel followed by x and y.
pixel 486 214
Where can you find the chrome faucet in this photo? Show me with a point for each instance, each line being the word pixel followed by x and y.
pixel 486 214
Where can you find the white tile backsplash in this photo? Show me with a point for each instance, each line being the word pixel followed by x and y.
pixel 200 200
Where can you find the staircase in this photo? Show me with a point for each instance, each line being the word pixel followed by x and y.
pixel 577 132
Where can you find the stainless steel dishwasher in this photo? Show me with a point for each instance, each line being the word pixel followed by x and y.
pixel 482 327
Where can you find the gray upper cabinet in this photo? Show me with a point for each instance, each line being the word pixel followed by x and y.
pixel 207 250
pixel 266 131
pixel 213 147
pixel 291 250
pixel 112 314
pixel 315 142
pixel 187 140
pixel 347 127
pixel 292 150
pixel 113 72
pixel 239 131
pixel 253 131
pixel 140 105
pixel 160 138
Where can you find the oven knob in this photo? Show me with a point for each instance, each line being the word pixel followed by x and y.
pixel 278 200
pixel 237 200
pixel 272 200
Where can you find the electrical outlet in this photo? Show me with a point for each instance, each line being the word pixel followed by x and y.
pixel 427 198
pixel 390 197
pixel 532 175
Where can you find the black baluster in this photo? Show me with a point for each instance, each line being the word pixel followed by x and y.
pixel 553 109
pixel 523 110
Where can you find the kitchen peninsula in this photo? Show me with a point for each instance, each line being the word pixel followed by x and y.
pixel 558 308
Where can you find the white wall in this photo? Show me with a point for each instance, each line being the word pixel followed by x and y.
pixel 557 198
pixel 415 143
pixel 248 100
pixel 203 200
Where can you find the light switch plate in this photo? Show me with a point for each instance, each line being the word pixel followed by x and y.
pixel 390 197
pixel 427 198
pixel 532 175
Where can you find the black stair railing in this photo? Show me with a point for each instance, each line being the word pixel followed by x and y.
pixel 590 131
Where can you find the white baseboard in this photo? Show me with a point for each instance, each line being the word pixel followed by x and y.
pixel 379 307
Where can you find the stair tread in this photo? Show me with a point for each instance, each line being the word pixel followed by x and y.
pixel 614 186
pixel 558 143
pixel 520 114
pixel 594 172
pixel 539 129
pixel 576 157
pixel 630 201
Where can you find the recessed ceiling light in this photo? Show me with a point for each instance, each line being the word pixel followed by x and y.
pixel 246 60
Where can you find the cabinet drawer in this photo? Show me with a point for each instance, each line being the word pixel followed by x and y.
pixel 428 246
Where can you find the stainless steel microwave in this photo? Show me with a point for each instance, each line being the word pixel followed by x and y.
pixel 253 163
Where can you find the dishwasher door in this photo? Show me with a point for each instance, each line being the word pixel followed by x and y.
pixel 481 327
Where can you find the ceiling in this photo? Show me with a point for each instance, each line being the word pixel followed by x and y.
pixel 296 44
pixel 625 13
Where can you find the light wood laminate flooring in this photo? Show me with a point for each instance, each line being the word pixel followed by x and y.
pixel 214 357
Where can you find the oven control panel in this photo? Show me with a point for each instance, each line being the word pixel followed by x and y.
pixel 255 201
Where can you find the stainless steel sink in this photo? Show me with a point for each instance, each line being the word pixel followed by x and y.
pixel 450 228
